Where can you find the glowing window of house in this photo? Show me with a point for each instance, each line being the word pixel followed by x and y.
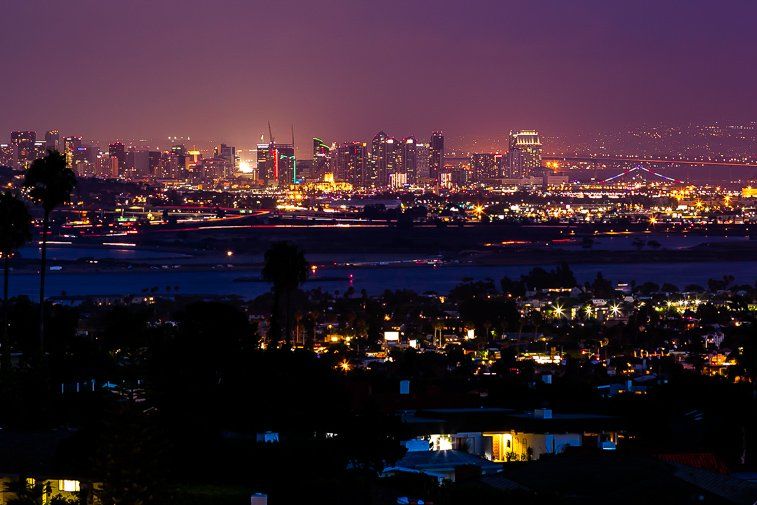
pixel 441 442
pixel 71 486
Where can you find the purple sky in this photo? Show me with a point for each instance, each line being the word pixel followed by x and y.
pixel 343 69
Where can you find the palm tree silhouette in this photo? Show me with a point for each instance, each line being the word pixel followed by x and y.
pixel 15 223
pixel 49 183
pixel 286 268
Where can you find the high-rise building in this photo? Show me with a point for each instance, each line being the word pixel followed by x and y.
pixel 265 165
pixel 409 160
pixel 484 167
pixel 7 155
pixel 39 149
pixel 350 163
pixel 71 147
pixel 168 167
pixel 378 157
pixel 436 155
pixel 24 141
pixel 153 163
pixel 180 152
pixel 321 157
pixel 285 164
pixel 423 154
pixel 276 164
pixel 52 140
pixel 104 166
pixel 210 170
pixel 141 164
pixel 114 171
pixel 228 153
pixel 117 153
pixel 385 156
pixel 524 154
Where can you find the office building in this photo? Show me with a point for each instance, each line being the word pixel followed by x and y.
pixel 422 172
pixel 117 154
pixel 39 149
pixel 285 165
pixel 277 165
pixel 408 160
pixel 180 153
pixel 23 141
pixel 265 174
pixel 71 146
pixel 524 154
pixel 436 155
pixel 350 163
pixel 228 153
pixel 484 167
pixel 7 155
pixel 321 159
pixel 384 154
pixel 52 140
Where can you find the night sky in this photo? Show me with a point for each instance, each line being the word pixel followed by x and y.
pixel 219 70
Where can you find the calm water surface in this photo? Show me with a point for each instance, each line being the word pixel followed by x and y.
pixel 373 279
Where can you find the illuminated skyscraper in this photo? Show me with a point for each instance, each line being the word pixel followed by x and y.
pixel 484 167
pixel 141 163
pixel 276 164
pixel 71 147
pixel 265 165
pixel 52 140
pixel 153 163
pixel 39 149
pixel 228 153
pixel 436 155
pixel 524 154
pixel 117 152
pixel 24 141
pixel 285 164
pixel 421 168
pixel 384 155
pixel 180 152
pixel 321 157
pixel 7 155
pixel 409 160
pixel 351 161
pixel 378 157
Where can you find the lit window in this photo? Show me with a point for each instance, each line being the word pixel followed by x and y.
pixel 71 486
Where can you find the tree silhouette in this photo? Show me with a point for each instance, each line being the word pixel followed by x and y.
pixel 286 268
pixel 14 233
pixel 49 183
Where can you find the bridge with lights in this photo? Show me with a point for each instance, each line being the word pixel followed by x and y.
pixel 553 163
pixel 640 169
pixel 598 160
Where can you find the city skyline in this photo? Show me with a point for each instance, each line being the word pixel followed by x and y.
pixel 377 253
pixel 337 70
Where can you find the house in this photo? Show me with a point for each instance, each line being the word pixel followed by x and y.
pixel 47 488
pixel 505 435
